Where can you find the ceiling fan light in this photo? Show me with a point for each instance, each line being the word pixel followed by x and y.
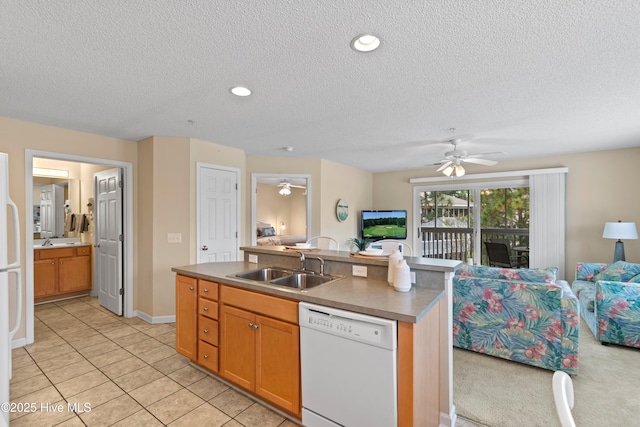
pixel 448 171
pixel 285 191
pixel 459 171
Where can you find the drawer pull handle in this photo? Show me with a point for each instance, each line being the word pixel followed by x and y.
pixel 206 309
pixel 206 356
pixel 206 331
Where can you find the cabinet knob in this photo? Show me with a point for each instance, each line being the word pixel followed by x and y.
pixel 206 356
pixel 206 309
pixel 60 262
pixel 53 263
pixel 255 326
pixel 205 290
pixel 206 331
pixel 250 324
pixel 191 288
pixel 205 248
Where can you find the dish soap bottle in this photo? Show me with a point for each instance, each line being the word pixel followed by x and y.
pixel 394 258
pixel 402 278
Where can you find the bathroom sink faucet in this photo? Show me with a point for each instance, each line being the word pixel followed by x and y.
pixel 321 266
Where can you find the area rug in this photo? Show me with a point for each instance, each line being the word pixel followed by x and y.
pixel 497 392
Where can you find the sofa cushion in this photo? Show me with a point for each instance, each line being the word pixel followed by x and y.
pixel 587 299
pixel 579 285
pixel 635 279
pixel 619 271
pixel 539 275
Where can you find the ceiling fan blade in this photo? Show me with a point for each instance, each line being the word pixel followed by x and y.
pixel 444 166
pixel 486 154
pixel 485 162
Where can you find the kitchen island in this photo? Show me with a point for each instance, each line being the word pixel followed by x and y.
pixel 210 298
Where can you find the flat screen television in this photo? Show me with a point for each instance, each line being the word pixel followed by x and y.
pixel 378 225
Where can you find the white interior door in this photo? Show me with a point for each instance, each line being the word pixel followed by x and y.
pixel 109 239
pixel 217 214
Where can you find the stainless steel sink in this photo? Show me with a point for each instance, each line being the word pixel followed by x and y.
pixel 303 280
pixel 283 277
pixel 265 274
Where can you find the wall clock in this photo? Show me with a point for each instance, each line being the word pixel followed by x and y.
pixel 342 210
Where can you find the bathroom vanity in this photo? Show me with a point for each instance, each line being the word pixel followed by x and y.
pixel 62 271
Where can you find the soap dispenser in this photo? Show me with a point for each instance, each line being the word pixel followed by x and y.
pixel 394 258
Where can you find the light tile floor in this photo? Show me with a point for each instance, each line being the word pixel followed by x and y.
pixel 120 372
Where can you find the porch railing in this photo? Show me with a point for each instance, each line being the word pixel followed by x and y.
pixel 458 243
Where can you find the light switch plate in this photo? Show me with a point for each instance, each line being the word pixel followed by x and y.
pixel 253 258
pixel 359 270
pixel 413 277
pixel 174 237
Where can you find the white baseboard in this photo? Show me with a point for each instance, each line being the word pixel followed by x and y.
pixel 17 343
pixel 154 319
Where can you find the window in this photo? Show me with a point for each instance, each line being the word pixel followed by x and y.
pixel 452 222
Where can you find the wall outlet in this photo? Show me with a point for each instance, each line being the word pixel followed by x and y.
pixel 253 258
pixel 359 270
pixel 413 277
pixel 174 237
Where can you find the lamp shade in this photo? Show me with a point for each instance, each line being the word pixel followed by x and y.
pixel 620 230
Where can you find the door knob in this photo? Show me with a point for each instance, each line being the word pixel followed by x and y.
pixel 205 247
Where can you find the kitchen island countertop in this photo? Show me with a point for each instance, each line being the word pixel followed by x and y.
pixel 357 294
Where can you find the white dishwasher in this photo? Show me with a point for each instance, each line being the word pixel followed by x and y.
pixel 349 368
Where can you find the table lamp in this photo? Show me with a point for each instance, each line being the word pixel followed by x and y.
pixel 619 230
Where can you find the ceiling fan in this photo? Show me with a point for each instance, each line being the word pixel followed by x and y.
pixel 286 186
pixel 452 162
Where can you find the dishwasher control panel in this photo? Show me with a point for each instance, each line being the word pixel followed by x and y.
pixel 355 326
pixel 348 328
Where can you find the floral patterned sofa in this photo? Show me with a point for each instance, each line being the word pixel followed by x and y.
pixel 609 297
pixel 523 315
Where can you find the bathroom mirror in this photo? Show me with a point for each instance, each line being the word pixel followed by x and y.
pixel 280 212
pixel 62 194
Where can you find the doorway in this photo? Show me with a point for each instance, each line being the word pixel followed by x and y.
pixel 127 210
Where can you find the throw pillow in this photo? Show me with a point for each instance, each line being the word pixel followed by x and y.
pixel 619 271
pixel 270 231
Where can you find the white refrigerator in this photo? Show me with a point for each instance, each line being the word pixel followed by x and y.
pixel 10 274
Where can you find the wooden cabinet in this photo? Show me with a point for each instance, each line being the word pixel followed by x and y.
pixel 61 273
pixel 186 316
pixel 208 324
pixel 260 345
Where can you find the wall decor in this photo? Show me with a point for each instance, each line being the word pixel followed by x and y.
pixel 342 210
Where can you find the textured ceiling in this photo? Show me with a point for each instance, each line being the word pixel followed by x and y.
pixel 528 77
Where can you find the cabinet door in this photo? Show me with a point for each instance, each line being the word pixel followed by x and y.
pixel 237 346
pixel 186 316
pixel 45 277
pixel 278 363
pixel 74 274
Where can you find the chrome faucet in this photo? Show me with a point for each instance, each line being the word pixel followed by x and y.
pixel 47 242
pixel 303 262
pixel 321 266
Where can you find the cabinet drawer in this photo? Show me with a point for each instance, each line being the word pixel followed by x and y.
pixel 83 250
pixel 208 289
pixel 208 356
pixel 275 307
pixel 208 308
pixel 56 253
pixel 208 330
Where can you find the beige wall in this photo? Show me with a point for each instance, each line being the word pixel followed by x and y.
pixel 601 187
pixel 17 136
pixel 355 187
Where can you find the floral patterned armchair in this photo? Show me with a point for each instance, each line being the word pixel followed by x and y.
pixel 609 297
pixel 523 315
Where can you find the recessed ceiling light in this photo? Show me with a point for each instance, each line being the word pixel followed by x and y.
pixel 365 43
pixel 240 91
